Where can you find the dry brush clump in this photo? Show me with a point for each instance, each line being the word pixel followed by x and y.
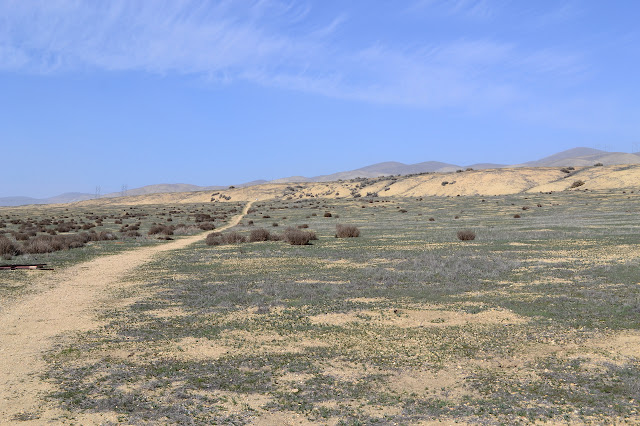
pixel 50 243
pixel 218 239
pixel 233 237
pixel 259 235
pixel 298 237
pixel 207 226
pixel 347 231
pixel 161 229
pixel 183 229
pixel 466 235
pixel 8 248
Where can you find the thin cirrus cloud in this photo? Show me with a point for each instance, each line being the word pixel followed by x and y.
pixel 468 9
pixel 269 43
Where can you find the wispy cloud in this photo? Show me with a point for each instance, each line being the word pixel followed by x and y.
pixel 470 9
pixel 270 42
pixel 159 36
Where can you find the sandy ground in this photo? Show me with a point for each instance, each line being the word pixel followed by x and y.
pixel 32 326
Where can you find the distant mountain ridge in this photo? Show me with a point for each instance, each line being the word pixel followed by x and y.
pixel 576 157
pixel 579 157
pixel 72 197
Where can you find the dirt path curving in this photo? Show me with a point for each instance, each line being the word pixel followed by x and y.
pixel 29 328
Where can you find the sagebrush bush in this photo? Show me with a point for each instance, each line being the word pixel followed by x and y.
pixel 207 226
pixel 577 184
pixel 50 243
pixel 8 248
pixel 214 239
pixel 347 231
pixel 39 245
pixel 102 236
pixel 21 236
pixel 161 229
pixel 298 237
pixel 466 235
pixel 259 235
pixel 201 217
pixel 327 214
pixel 65 227
pixel 187 230
pixel 233 237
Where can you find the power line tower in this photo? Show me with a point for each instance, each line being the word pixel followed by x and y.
pixel 98 191
pixel 123 190
pixel 635 147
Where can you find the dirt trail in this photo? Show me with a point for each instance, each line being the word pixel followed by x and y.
pixel 29 328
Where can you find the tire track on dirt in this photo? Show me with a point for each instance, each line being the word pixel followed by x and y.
pixel 28 328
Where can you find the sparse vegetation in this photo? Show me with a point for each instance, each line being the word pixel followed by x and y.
pixel 577 184
pixel 533 322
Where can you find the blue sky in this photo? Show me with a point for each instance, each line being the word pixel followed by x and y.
pixel 214 93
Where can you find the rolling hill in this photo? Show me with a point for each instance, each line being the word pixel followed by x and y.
pixel 575 157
